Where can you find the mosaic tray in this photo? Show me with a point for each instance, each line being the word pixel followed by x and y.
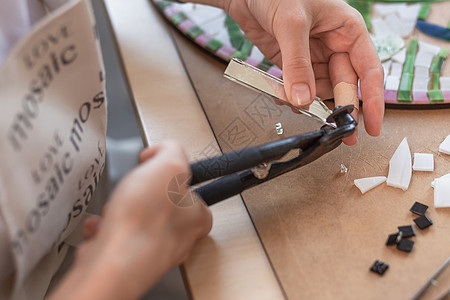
pixel 414 62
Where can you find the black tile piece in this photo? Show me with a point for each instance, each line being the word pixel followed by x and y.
pixel 405 245
pixel 419 208
pixel 379 267
pixel 393 239
pixel 407 231
pixel 423 222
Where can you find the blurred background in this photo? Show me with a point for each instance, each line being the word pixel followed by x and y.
pixel 124 140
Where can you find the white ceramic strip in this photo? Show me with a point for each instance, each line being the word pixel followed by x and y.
pixel 396 69
pixel 392 83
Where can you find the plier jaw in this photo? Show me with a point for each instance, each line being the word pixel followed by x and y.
pixel 248 167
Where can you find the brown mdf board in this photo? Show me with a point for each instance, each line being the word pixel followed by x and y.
pixel 320 233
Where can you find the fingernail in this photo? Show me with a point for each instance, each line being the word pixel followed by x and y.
pixel 301 94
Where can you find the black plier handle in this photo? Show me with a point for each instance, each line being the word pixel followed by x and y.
pixel 246 168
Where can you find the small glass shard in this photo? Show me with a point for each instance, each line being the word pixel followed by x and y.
pixel 279 128
pixel 344 169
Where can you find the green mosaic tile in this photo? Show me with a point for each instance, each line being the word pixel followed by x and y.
pixel 404 90
pixel 264 67
pixel 424 11
pixel 246 49
pixel 194 32
pixel 238 54
pixel 178 18
pixel 435 96
pixel 364 7
pixel 438 61
pixel 413 46
pixel 163 4
pixel 213 45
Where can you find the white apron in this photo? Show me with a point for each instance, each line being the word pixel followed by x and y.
pixel 52 136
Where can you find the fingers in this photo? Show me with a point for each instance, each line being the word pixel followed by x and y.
pixel 366 63
pixel 345 87
pixel 91 226
pixel 292 34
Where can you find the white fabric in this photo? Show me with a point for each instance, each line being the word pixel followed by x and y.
pixel 53 90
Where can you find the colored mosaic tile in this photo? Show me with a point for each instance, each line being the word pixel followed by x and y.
pixel 194 32
pixel 186 25
pixel 252 61
pixel 424 11
pixel 170 11
pixel 435 96
pixel 275 71
pixel 203 39
pixel 404 91
pixel 213 45
pixel 178 18
pixel 226 52
pixel 390 96
pixel 163 4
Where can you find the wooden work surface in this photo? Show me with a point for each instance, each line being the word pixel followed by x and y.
pixel 319 233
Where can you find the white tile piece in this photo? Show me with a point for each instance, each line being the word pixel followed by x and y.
pixel 427 47
pixel 433 183
pixel 366 184
pixel 444 147
pixel 422 72
pixel 387 8
pixel 223 36
pixel 442 193
pixel 396 25
pixel 380 28
pixel 409 26
pixel 199 13
pixel 400 56
pixel 392 83
pixel 215 26
pixel 410 12
pixel 423 162
pixel 445 83
pixel 396 69
pixel 420 84
pixel 423 59
pixel 256 54
pixel 400 170
pixel 386 68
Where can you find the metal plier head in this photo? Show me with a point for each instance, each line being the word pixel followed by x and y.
pixel 248 167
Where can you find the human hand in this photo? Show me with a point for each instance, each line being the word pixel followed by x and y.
pixel 318 44
pixel 142 233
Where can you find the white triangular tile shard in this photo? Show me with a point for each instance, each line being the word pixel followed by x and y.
pixel 423 162
pixel 433 183
pixel 400 167
pixel 368 183
pixel 444 147
pixel 442 193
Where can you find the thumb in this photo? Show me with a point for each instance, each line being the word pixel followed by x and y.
pixel 298 75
